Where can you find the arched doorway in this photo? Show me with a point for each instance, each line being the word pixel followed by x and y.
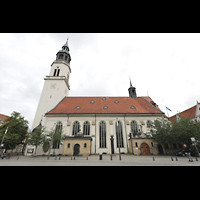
pixel 145 150
pixel 76 149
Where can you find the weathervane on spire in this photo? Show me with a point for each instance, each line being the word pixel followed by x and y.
pixel 130 81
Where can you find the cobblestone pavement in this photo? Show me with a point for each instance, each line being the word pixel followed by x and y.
pixel 126 160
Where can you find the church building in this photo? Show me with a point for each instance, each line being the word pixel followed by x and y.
pixel 94 125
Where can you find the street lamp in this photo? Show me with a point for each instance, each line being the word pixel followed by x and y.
pixel 194 142
pixel 118 139
pixel 130 134
pixel 3 138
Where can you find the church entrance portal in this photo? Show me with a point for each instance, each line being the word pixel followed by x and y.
pixel 76 149
pixel 145 150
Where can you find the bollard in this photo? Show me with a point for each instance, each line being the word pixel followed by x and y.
pixel 59 158
pixel 196 159
pixel 153 159
pixel 56 157
pixel 176 159
pixel 86 158
pixel 71 158
pixel 74 157
pixel 110 156
pixel 172 159
pixel 100 157
pixel 18 158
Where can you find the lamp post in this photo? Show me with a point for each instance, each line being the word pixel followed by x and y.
pixel 194 142
pixel 118 139
pixel 3 138
pixel 130 134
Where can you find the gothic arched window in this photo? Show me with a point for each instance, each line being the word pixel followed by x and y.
pixel 76 127
pixel 134 128
pixel 119 134
pixel 86 128
pixel 149 124
pixel 102 134
pixel 57 135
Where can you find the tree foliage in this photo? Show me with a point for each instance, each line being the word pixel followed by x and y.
pixel 37 137
pixel 17 130
pixel 179 131
pixel 58 137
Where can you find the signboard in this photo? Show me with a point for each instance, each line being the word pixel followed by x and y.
pixel 30 150
pixel 192 139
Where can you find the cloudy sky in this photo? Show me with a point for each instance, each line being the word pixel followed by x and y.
pixel 165 65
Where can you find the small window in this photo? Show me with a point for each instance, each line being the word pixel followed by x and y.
pixel 58 72
pixel 116 101
pixel 105 107
pixel 85 145
pixel 104 98
pixel 132 107
pixel 68 145
pixel 78 107
pixel 92 101
pixel 136 144
pixel 55 70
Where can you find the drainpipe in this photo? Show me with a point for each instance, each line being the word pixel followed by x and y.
pixel 126 133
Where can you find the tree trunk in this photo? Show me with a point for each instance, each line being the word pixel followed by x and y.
pixel 35 151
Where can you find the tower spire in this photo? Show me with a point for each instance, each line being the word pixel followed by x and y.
pixel 130 82
pixel 64 54
pixel 132 90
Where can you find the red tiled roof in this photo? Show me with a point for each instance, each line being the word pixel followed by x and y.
pixel 3 117
pixel 69 105
pixel 189 113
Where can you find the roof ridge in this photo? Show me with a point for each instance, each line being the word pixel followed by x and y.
pixel 55 106
pixel 153 105
pixel 184 111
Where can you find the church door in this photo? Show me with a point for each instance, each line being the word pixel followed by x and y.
pixel 145 150
pixel 76 149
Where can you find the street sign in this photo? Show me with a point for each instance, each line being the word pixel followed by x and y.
pixel 192 139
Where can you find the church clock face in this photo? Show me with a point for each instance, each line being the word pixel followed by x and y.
pixel 53 86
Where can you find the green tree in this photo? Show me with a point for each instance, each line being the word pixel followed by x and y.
pixel 183 129
pixel 17 130
pixel 58 137
pixel 37 137
pixel 162 131
pixel 179 132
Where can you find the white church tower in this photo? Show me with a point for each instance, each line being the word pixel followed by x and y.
pixel 56 85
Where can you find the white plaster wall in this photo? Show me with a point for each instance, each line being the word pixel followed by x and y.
pixel 49 122
pixel 54 90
